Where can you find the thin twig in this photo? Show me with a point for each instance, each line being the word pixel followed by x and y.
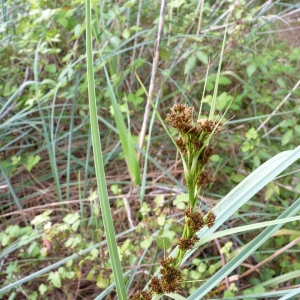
pixel 153 75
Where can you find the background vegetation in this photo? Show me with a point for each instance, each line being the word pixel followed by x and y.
pixel 52 235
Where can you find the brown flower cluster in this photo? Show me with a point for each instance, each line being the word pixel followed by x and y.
pixel 205 154
pixel 181 117
pixel 210 219
pixel 195 219
pixel 204 178
pixel 170 279
pixel 181 146
pixel 187 243
pixel 155 285
pixel 169 261
pixel 209 126
pixel 141 295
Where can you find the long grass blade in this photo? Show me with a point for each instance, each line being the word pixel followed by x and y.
pixel 99 166
pixel 124 134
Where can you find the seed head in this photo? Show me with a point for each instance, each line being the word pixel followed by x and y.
pixel 204 178
pixel 210 219
pixel 209 126
pixel 195 221
pixel 187 243
pixel 155 285
pixel 181 117
pixel 168 262
pixel 170 280
pixel 141 295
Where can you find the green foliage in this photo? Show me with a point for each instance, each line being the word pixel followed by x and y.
pixel 44 116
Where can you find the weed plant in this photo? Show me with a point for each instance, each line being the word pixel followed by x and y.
pixel 57 219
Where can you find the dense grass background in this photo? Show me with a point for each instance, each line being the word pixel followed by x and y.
pixel 53 239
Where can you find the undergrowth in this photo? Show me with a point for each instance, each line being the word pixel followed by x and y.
pixel 53 243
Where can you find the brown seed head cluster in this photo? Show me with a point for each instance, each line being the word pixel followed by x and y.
pixel 181 146
pixel 210 219
pixel 187 243
pixel 205 154
pixel 195 221
pixel 169 261
pixel 155 285
pixel 181 117
pixel 141 295
pixel 210 126
pixel 204 178
pixel 170 280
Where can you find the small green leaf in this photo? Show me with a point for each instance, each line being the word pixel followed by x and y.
pixel 202 56
pixel 126 34
pixel 71 218
pixel 63 22
pixel 251 69
pixel 115 189
pixel 223 100
pixel 39 219
pixel 201 267
pixel 287 123
pixel 269 193
pixel 237 177
pixel 4 239
pixel 215 158
pixel 190 64
pixel 90 275
pixel 54 278
pixel 13 230
pixel 195 275
pixel 287 137
pixel 164 54
pixel 163 242
pixel 224 80
pixel 251 134
pixel 144 210
pixel 32 161
pixel 159 200
pixel 297 129
pixel 75 225
pixel 15 160
pixel 281 82
pixel 125 246
pixel 51 68
pixel 146 243
pixel 176 3
pixel 161 220
pixel 43 289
